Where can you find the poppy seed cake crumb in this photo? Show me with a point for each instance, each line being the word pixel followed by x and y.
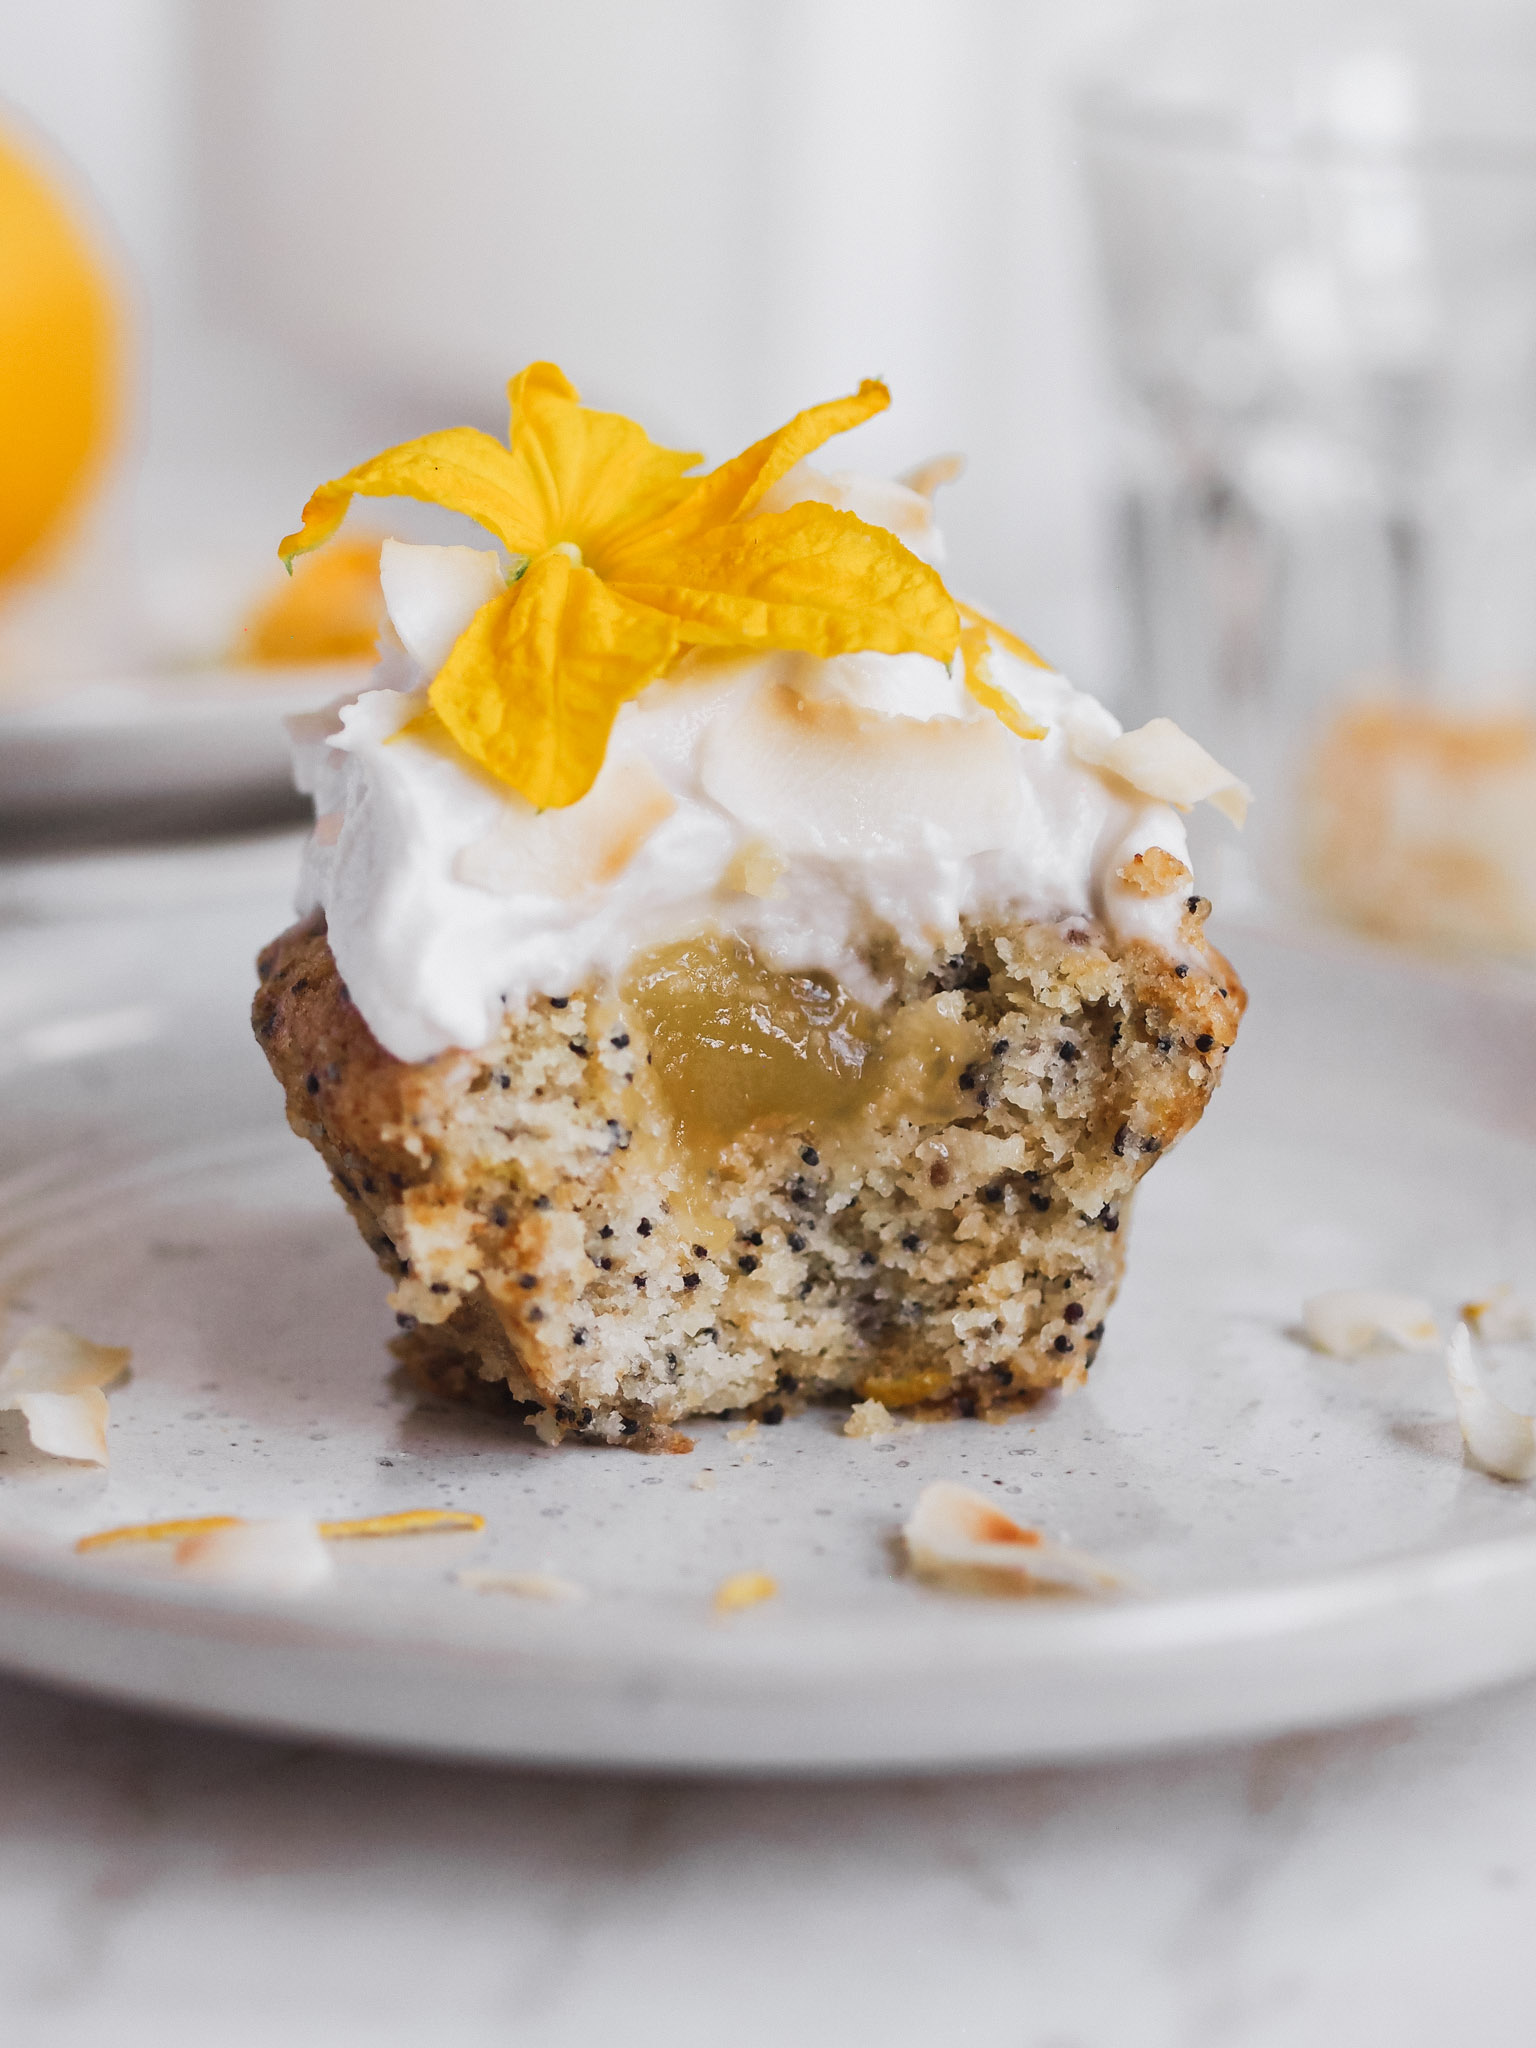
pixel 544 1250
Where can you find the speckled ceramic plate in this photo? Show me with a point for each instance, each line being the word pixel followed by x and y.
pixel 1312 1545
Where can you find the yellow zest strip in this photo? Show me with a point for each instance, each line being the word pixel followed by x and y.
pixel 157 1532
pixel 409 1522
pixel 971 617
pixel 973 649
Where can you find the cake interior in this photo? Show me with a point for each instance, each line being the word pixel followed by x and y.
pixel 717 1187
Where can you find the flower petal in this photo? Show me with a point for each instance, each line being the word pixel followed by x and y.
pixel 809 578
pixel 733 490
pixel 533 684
pixel 592 474
pixel 461 468
pixel 67 1425
pixel 878 501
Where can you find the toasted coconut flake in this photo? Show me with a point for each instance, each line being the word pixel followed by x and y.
pixel 743 1433
pixel 1350 1320
pixel 286 1555
pixel 432 593
pixel 1498 1438
pixel 1162 761
pixel 526 1585
pixel 831 779
pixel 408 1522
pixel 53 1379
pixel 1502 1318
pixel 959 1540
pixel 870 1418
pixel 930 476
pixel 566 852
pixel 744 1589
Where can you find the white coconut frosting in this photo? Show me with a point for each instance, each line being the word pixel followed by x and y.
pixel 800 803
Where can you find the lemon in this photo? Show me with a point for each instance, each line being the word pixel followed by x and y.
pixel 60 360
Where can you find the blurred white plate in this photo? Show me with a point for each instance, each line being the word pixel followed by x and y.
pixel 1315 1548
pixel 201 735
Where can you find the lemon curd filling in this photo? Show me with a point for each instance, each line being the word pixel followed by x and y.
pixel 737 1047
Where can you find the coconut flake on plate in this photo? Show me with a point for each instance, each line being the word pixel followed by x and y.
pixel 1498 1438
pixel 958 1539
pixel 285 1555
pixel 54 1379
pixel 526 1585
pixel 1502 1317
pixel 1349 1320
pixel 1162 761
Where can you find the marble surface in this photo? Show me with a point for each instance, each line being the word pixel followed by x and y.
pixel 189 1888
pixel 170 1886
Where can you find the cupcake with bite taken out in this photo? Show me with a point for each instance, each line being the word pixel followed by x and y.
pixel 730 970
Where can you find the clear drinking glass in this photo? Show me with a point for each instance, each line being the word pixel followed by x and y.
pixel 1317 231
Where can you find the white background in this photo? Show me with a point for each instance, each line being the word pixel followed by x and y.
pixel 351 219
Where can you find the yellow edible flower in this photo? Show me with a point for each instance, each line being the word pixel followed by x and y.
pixel 625 561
